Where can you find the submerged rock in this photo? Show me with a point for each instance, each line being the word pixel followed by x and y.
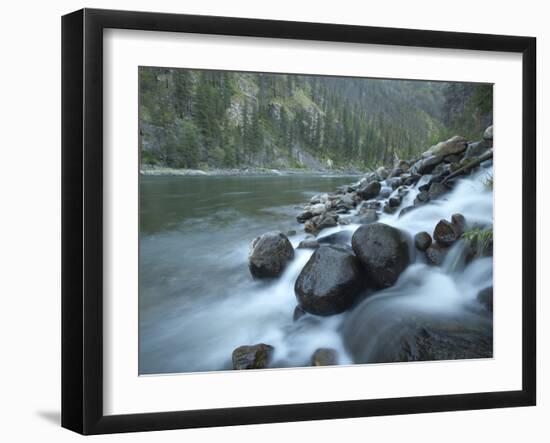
pixel 330 282
pixel 324 357
pixel 435 254
pixel 269 255
pixel 252 357
pixel 422 241
pixel 298 313
pixel 383 252
pixel 485 297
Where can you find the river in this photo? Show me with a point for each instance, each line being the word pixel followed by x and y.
pixel 198 301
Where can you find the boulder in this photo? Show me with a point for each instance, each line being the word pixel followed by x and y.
pixel 404 165
pixel 485 297
pixel 252 357
pixel 368 216
pixel 488 134
pixel 385 193
pixel 421 197
pixel 477 149
pixel 427 165
pixel 459 222
pixel 394 202
pixel 381 173
pixel 446 233
pixel 304 216
pixel 435 254
pixel 454 145
pixel 269 255
pixel 308 244
pixel 422 241
pixel 330 282
pixel 383 252
pixel 324 357
pixel 412 180
pixel 369 191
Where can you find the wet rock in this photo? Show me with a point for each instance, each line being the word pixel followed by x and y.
pixel 369 191
pixel 454 145
pixel 324 357
pixel 310 226
pixel 330 282
pixel 381 173
pixel 395 172
pixel 485 297
pixel 394 183
pixel 394 202
pixel 308 244
pixel 383 252
pixel 269 255
pixel 406 210
pixel 304 216
pixel 412 180
pixel 338 238
pixel 435 254
pixel 427 165
pixel 453 158
pixel 488 134
pixel 389 209
pixel 320 222
pixel 252 357
pixel 421 197
pixel 459 222
pixel 373 204
pixel 290 233
pixel 445 233
pixel 476 149
pixel 367 217
pixel 385 193
pixel 437 190
pixel 298 313
pixel 404 165
pixel 422 241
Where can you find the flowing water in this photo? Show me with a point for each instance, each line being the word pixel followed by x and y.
pixel 198 301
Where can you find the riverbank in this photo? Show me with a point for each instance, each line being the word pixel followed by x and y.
pixel 151 170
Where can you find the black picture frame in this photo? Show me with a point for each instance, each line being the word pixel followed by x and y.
pixel 82 220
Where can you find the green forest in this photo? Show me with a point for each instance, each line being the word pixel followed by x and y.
pixel 220 119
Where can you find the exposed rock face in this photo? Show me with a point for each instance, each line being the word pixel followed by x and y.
pixel 383 251
pixel 485 297
pixel 330 282
pixel 446 233
pixel 454 145
pixel 269 255
pixel 324 357
pixel 252 357
pixel 369 191
pixel 422 241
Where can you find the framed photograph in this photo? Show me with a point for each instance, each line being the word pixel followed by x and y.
pixel 269 221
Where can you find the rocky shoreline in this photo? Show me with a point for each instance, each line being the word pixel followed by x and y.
pixel 160 171
pixel 346 266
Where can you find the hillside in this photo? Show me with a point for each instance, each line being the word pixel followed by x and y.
pixel 219 119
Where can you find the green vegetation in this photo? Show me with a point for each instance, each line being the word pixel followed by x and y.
pixel 480 240
pixel 220 119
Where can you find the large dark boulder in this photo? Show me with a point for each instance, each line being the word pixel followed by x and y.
pixel 269 255
pixel 324 357
pixel 383 251
pixel 369 191
pixel 446 233
pixel 330 282
pixel 252 357
pixel 422 241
